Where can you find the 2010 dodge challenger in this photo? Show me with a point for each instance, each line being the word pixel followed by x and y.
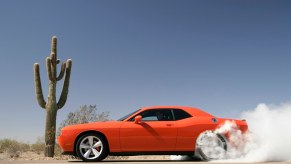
pixel 164 130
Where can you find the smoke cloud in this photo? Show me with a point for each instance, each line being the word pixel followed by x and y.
pixel 268 139
pixel 270 134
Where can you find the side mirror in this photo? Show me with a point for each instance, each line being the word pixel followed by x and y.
pixel 137 119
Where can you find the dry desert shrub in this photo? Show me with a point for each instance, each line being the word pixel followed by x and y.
pixel 38 146
pixel 13 148
pixel 86 114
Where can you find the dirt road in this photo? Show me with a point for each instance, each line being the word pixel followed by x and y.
pixel 33 159
pixel 120 162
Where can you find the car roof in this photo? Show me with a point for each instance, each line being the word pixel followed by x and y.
pixel 191 110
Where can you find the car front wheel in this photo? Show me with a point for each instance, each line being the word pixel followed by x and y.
pixel 92 147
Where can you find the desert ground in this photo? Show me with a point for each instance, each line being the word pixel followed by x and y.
pixel 123 162
pixel 31 157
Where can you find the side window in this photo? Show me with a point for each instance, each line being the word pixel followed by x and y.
pixel 180 114
pixel 164 115
pixel 149 115
pixel 156 115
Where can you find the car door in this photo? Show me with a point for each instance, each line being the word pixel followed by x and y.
pixel 154 133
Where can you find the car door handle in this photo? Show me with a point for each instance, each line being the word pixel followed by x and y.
pixel 169 124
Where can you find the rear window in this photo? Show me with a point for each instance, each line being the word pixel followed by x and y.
pixel 180 114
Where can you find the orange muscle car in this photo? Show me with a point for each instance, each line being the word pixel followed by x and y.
pixel 164 130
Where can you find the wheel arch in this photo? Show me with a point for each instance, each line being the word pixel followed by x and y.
pixel 90 132
pixel 224 139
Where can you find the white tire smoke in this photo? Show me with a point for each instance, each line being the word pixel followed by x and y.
pixel 210 145
pixel 268 139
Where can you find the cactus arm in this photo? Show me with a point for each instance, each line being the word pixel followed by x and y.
pixel 49 68
pixel 61 75
pixel 65 91
pixel 53 59
pixel 38 88
pixel 54 45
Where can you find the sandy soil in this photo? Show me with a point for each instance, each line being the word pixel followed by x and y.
pixel 29 156
pixel 32 156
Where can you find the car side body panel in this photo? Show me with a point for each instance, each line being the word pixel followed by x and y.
pixel 109 129
pixel 148 137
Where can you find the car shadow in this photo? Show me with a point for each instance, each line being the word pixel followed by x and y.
pixel 137 161
pixel 134 161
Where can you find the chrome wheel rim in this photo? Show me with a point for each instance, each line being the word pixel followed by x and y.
pixel 91 147
pixel 211 145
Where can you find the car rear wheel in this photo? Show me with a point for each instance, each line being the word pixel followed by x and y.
pixel 210 146
pixel 92 147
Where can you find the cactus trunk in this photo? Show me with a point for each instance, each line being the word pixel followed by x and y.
pixel 51 115
pixel 52 106
pixel 50 130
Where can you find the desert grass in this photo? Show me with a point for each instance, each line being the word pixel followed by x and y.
pixel 11 149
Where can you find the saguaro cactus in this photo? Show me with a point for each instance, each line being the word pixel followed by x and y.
pixel 51 106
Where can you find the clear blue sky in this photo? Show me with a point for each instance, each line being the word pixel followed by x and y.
pixel 224 57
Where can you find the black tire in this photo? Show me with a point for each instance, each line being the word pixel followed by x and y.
pixel 214 150
pixel 92 147
pixel 193 158
pixel 184 158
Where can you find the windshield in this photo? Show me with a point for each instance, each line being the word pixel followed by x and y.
pixel 125 117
